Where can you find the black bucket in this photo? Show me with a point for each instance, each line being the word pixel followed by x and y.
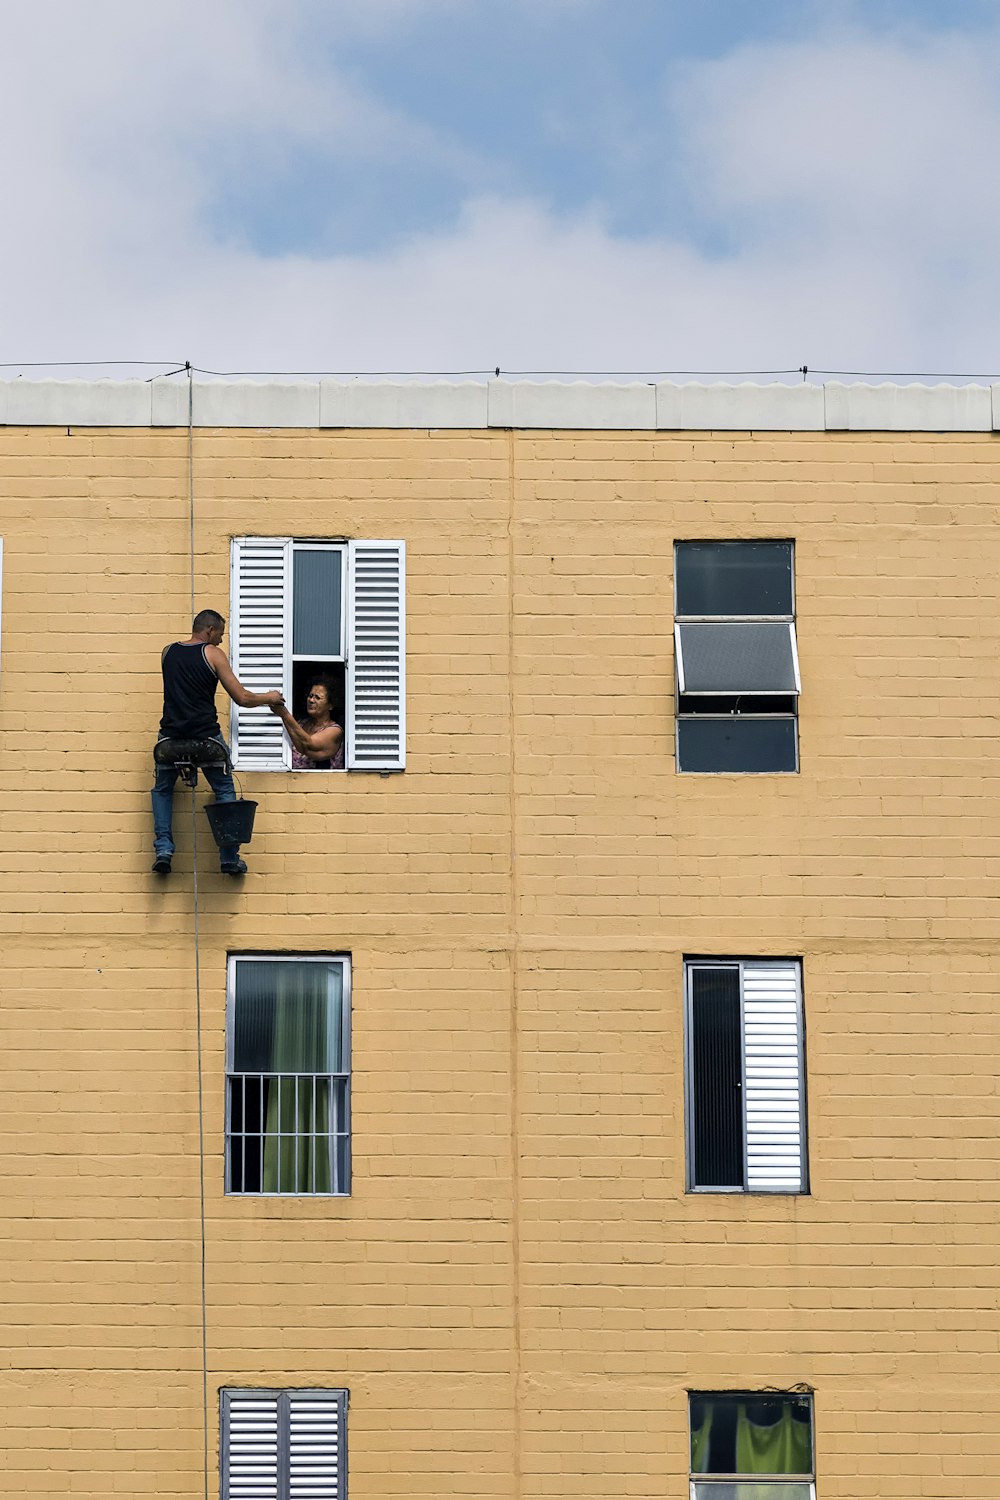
pixel 231 822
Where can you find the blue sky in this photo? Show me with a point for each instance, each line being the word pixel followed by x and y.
pixel 543 184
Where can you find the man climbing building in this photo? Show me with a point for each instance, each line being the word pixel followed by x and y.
pixel 192 670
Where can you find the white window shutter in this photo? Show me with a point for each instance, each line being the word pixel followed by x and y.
pixel 376 661
pixel 251 1459
pixel 316 1445
pixel 258 633
pixel 773 1093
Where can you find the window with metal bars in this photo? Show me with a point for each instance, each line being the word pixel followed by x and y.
pixel 305 609
pixel 288 1090
pixel 752 1445
pixel 736 656
pixel 283 1444
pixel 746 1119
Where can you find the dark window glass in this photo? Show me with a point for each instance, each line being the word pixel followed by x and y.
pixel 734 578
pixel 736 743
pixel 734 703
pixel 316 601
pixel 716 1078
pixel 751 1433
pixel 748 656
pixel 288 1017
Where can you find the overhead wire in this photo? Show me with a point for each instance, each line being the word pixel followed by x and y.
pixel 185 367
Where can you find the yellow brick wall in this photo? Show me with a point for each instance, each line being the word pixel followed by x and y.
pixel 519 1293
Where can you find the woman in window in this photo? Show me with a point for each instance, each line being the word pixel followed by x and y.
pixel 317 740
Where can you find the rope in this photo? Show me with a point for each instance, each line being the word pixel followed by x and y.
pixel 201 1147
pixel 190 463
pixel 197 982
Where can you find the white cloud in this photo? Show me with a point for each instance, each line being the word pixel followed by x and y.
pixel 852 178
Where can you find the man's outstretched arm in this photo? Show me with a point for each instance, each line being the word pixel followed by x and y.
pixel 240 695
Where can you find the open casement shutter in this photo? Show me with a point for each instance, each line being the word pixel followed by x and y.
pixel 259 628
pixel 773 1092
pixel 251 1446
pixel 317 1468
pixel 376 661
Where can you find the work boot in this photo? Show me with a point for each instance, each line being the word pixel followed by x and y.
pixel 234 867
pixel 161 864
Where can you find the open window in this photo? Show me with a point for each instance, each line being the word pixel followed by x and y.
pixel 746 1117
pixel 308 607
pixel 752 1445
pixel 736 656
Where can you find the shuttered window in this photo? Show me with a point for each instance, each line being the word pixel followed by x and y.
pixel 284 1445
pixel 307 607
pixel 745 1076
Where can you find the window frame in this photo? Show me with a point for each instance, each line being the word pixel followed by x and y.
pixel 700 1477
pixel 373 639
pixel 319 544
pixel 735 619
pixel 740 964
pixel 347 1074
pixel 282 1395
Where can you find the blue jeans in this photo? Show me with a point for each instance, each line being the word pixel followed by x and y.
pixel 219 778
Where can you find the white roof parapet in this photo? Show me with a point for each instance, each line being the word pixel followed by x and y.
pixel 576 405
pixel 401 403
pixel 239 403
pixel 908 408
pixel 739 408
pixel 475 405
pixel 77 403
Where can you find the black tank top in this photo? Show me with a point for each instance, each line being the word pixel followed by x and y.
pixel 189 685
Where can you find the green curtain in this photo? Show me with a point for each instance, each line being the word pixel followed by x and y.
pixel 289 1021
pixel 297 1129
pixel 781 1447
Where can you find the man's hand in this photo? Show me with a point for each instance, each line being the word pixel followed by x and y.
pixel 273 699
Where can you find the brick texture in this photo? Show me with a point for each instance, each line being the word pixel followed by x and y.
pixel 519 1293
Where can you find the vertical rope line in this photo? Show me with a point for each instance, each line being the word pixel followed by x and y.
pixel 190 467
pixel 197 978
pixel 201 1147
pixel 514 948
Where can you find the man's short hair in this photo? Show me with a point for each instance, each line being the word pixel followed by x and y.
pixel 207 619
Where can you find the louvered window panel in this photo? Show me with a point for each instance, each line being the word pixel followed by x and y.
pixel 315 1446
pixel 284 1445
pixel 772 1070
pixel 376 657
pixel 259 631
pixel 250 1446
pixel 745 1076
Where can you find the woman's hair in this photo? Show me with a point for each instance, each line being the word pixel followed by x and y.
pixel 323 680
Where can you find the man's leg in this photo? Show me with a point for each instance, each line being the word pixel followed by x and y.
pixel 220 779
pixel 162 797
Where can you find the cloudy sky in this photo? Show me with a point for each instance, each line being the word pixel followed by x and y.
pixel 543 185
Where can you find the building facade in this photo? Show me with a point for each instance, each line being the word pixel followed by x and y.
pixel 648 1117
